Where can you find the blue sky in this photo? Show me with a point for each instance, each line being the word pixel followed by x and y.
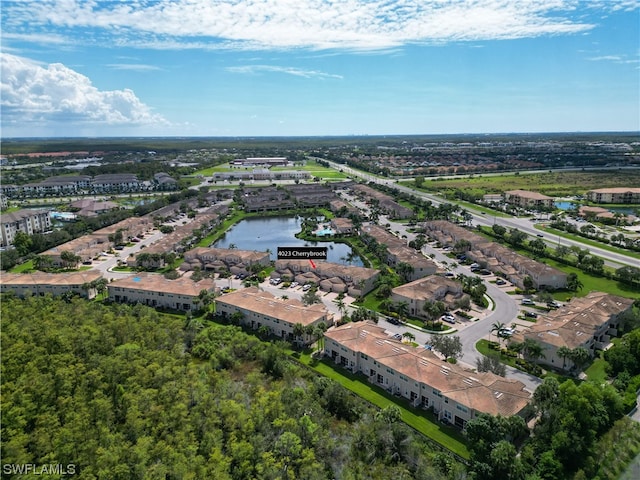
pixel 316 67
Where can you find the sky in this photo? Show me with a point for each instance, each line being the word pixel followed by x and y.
pixel 93 68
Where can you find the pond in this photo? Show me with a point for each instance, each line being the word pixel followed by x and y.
pixel 270 233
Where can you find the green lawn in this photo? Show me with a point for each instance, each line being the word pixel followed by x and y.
pixel 588 241
pixel 312 167
pixel 421 420
pixel 23 267
pixel 596 372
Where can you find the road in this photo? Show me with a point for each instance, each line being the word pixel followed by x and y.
pixel 613 259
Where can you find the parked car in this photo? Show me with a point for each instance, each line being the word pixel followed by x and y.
pixel 530 314
pixel 506 332
pixel 528 301
pixel 449 318
pixel 501 282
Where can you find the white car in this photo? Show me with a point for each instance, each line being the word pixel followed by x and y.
pixel 449 318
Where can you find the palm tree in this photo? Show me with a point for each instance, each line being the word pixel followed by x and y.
pixel 298 330
pixel 564 352
pixel 533 349
pixel 580 357
pixel 402 308
pixel 405 270
pixel 497 327
pixel 409 336
pixel 341 306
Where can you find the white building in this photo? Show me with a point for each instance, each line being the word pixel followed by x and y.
pixel 27 221
pixel 258 308
pixel 421 377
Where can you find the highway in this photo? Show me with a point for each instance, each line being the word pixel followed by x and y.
pixel 612 259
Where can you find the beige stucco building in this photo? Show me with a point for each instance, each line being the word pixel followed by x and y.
pixel 40 283
pixel 588 322
pixel 156 291
pixel 258 308
pixel 421 377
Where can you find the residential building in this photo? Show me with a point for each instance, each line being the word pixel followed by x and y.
pixel 238 262
pixel 156 291
pixel 398 252
pixel 434 288
pixel 342 226
pixel 497 258
pixel 329 276
pixel 527 199
pixel 27 221
pixel 257 308
pixel 164 181
pixel 626 195
pixel 385 202
pixel 588 322
pixel 56 284
pixel 418 375
pixel 261 161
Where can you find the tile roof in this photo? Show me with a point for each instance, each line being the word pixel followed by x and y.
pixel 483 392
pixel 289 310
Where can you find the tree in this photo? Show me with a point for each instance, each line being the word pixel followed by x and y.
pixel 433 309
pixel 448 346
pixel 562 251
pixel 402 309
pixel 580 356
pixel 491 363
pixel 22 242
pixel 497 327
pixel 42 262
pixel 516 237
pixel 311 296
pixel 69 258
pixel 405 270
pixel 564 352
pixel 408 336
pixel 538 246
pixel 298 331
pixel 573 282
pixel 532 349
pixel 499 230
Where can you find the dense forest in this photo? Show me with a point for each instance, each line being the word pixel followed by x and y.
pixel 124 392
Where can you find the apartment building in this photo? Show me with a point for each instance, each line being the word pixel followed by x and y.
pixel 55 284
pixel 398 251
pixel 625 195
pixel 497 258
pixel 421 377
pixel 527 199
pixel 434 288
pixel 385 202
pixel 27 221
pixel 156 291
pixel 589 322
pixel 238 262
pixel 257 308
pixel 329 276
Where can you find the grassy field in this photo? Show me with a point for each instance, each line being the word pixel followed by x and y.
pixel 554 184
pixel 588 241
pixel 312 167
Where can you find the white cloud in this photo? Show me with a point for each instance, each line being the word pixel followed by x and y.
pixel 312 24
pixel 254 69
pixel 37 93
